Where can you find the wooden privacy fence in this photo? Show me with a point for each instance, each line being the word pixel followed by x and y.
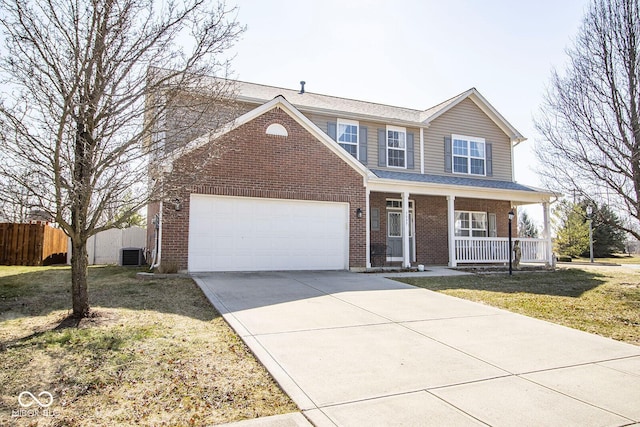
pixel 31 244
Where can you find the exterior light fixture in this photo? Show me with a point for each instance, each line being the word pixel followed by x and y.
pixel 511 215
pixel 358 213
pixel 177 204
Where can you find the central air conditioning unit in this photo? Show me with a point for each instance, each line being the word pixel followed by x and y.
pixel 131 257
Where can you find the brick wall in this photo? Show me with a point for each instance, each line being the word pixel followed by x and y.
pixel 247 162
pixel 432 237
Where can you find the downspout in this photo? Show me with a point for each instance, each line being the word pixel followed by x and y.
pixel 368 228
pixel 515 141
pixel 158 248
pixel 156 225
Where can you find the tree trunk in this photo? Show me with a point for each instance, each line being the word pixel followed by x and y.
pixel 79 266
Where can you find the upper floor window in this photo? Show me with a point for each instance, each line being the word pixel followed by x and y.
pixel 396 147
pixel 471 224
pixel 348 136
pixel 469 155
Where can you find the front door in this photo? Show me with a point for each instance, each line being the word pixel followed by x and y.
pixel 394 231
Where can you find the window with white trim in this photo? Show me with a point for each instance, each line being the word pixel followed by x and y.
pixel 468 155
pixel 471 224
pixel 348 136
pixel 396 147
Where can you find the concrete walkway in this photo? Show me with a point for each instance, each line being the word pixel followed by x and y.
pixel 359 349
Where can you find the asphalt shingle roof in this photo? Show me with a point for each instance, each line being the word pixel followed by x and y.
pixel 451 180
pixel 260 93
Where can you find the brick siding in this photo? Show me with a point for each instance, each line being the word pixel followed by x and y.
pixel 249 163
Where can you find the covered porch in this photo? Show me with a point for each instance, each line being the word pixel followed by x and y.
pixel 437 224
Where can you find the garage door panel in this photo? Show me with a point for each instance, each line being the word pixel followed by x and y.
pixel 245 234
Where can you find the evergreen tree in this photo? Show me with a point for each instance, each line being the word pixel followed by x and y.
pixel 608 238
pixel 526 226
pixel 572 229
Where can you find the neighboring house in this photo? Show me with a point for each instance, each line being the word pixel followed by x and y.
pixel 312 182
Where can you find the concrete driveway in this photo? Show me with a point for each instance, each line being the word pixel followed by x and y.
pixel 359 349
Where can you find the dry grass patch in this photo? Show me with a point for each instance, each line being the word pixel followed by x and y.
pixel 600 300
pixel 615 259
pixel 154 353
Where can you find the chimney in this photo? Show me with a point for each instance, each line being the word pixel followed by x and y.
pixel 302 83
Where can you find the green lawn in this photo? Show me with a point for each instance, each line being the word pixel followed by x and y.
pixel 153 353
pixel 600 300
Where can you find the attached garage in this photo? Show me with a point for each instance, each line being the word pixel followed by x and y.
pixel 257 234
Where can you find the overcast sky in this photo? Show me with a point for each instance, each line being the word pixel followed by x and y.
pixel 413 53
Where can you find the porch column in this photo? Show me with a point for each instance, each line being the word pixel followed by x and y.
pixel 451 228
pixel 546 234
pixel 406 255
pixel 367 211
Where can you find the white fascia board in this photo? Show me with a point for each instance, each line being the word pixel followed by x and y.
pixel 475 96
pixel 428 189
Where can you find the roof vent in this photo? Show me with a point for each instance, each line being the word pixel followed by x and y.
pixel 302 83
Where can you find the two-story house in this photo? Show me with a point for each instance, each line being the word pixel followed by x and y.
pixel 305 181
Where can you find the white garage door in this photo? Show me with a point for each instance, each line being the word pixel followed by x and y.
pixel 253 234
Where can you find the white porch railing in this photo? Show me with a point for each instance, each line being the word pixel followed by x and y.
pixel 496 249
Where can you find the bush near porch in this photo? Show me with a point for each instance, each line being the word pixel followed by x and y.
pixel 598 299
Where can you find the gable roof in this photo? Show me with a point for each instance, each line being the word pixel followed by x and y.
pixel 277 102
pixel 350 108
pixel 526 193
pixel 433 113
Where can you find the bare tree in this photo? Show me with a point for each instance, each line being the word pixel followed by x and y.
pixel 15 202
pixel 88 98
pixel 590 121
